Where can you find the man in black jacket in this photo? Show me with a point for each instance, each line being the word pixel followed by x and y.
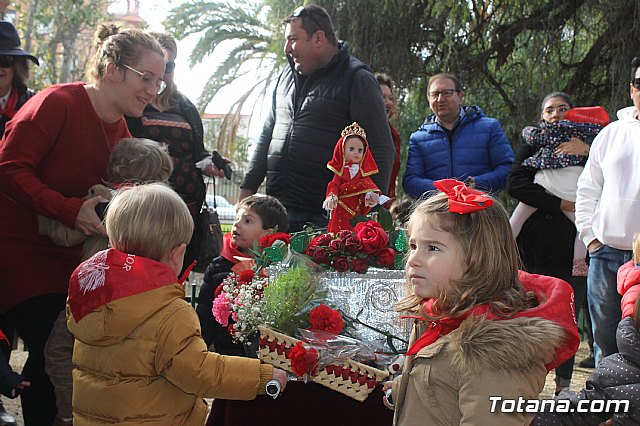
pixel 323 90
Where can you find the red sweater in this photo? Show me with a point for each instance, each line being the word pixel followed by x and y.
pixel 53 150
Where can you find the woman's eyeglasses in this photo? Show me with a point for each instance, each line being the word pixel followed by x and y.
pixel 169 67
pixel 6 61
pixel 148 80
pixel 636 83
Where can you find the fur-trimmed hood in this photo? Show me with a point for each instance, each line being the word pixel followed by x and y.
pixel 505 345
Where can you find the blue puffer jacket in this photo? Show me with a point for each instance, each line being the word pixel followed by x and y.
pixel 478 148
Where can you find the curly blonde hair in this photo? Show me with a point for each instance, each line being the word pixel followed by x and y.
pixel 119 46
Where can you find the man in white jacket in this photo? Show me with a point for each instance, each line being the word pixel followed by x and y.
pixel 607 206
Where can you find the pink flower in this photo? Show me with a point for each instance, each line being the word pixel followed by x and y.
pixel 221 309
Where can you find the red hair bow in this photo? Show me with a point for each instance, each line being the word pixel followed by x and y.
pixel 463 199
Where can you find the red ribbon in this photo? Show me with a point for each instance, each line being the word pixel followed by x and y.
pixel 462 199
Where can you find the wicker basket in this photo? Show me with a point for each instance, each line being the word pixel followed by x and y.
pixel 354 379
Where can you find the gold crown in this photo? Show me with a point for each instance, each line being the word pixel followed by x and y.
pixel 354 129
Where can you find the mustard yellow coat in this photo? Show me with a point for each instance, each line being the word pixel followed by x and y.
pixel 141 359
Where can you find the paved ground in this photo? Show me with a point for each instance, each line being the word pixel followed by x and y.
pixel 580 375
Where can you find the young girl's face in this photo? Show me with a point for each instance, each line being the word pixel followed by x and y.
pixel 353 149
pixel 435 260
pixel 555 109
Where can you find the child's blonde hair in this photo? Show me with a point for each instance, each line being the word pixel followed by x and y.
pixel 490 264
pixel 148 220
pixel 140 160
pixel 636 248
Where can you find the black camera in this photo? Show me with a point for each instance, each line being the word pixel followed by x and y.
pixel 221 164
pixel 100 210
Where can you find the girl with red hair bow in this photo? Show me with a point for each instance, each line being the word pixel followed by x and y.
pixel 484 332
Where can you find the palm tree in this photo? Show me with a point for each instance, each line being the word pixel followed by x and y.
pixel 255 50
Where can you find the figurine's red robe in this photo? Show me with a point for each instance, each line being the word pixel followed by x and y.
pixel 350 191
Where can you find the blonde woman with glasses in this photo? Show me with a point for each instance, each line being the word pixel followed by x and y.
pixel 53 150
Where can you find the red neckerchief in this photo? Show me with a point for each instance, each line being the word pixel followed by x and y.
pixel 111 275
pixel 231 252
pixel 557 306
pixel 9 109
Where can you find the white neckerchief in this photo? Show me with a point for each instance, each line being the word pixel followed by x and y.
pixel 353 169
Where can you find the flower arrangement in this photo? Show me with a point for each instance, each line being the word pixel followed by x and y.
pixel 371 243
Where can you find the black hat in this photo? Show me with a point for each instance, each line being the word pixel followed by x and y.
pixel 10 42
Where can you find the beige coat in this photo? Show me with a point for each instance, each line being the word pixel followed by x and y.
pixel 141 359
pixel 450 381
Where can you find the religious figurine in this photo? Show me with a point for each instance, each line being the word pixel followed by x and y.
pixel 351 191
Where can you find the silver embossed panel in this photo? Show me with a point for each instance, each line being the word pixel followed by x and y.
pixel 372 296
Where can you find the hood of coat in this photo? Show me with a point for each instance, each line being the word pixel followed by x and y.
pixel 628 339
pixel 112 293
pixel 628 288
pixel 505 345
pixel 471 112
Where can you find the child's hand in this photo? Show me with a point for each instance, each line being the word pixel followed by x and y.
pixel 574 146
pixel 281 377
pixel 88 220
pixel 22 385
pixel 387 385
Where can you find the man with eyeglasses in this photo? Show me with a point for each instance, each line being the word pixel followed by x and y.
pixel 607 205
pixel 456 142
pixel 320 92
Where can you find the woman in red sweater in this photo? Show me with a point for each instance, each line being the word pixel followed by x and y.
pixel 53 150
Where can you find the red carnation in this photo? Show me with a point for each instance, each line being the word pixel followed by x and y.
pixel 324 318
pixel 321 240
pixel 269 239
pixel 340 264
pixel 246 276
pixel 303 361
pixel 386 257
pixel 373 236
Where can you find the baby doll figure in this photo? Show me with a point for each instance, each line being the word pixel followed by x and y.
pixel 351 192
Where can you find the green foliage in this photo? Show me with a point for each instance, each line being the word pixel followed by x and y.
pixel 63 30
pixel 288 294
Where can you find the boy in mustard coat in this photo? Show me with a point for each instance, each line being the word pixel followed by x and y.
pixel 138 352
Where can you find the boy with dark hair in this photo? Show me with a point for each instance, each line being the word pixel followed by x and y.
pixel 258 215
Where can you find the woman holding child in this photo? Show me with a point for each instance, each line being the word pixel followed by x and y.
pixel 547 237
pixel 71 129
